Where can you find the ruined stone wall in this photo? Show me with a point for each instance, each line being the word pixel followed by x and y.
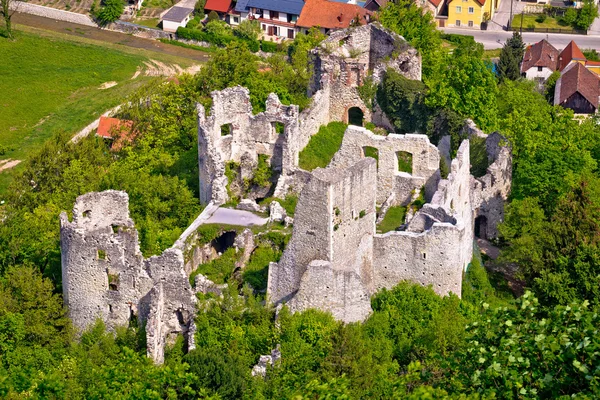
pixel 491 191
pixel 249 136
pixel 390 180
pixel 438 242
pixel 334 224
pixel 348 57
pixel 105 275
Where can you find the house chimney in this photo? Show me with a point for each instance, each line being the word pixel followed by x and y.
pixel 339 18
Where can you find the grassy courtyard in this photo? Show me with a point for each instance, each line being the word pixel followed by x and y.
pixel 53 82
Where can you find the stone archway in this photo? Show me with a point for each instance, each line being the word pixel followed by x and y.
pixel 481 227
pixel 356 116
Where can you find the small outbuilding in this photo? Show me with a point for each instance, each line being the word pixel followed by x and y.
pixel 176 17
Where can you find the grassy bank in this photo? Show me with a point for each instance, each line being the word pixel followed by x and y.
pixel 52 83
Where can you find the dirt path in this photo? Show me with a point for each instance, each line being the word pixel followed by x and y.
pixel 8 164
pixel 108 36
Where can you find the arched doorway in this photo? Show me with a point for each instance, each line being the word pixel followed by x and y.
pixel 481 227
pixel 355 116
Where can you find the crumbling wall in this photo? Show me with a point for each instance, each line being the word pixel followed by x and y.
pixel 347 58
pixel 390 180
pixel 334 224
pixel 105 275
pixel 248 136
pixel 438 242
pixel 491 191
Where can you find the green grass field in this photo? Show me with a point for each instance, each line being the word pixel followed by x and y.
pixel 529 20
pixel 50 83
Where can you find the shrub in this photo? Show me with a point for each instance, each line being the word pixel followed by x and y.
pixel 193 24
pixel 264 172
pixel 541 18
pixel 111 11
pixel 213 16
pixel 570 16
pixel 268 47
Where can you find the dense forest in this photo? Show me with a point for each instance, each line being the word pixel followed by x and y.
pixel 539 340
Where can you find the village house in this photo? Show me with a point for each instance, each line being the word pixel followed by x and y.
pixel 331 15
pixel 277 18
pixel 578 89
pixel 225 9
pixel 470 13
pixel 540 61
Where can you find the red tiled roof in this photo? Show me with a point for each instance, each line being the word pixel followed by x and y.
pixel 108 126
pixel 330 14
pixel 541 54
pixel 435 2
pixel 577 78
pixel 589 63
pixel 221 6
pixel 569 53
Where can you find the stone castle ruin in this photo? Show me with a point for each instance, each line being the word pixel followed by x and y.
pixel 335 260
pixel 341 63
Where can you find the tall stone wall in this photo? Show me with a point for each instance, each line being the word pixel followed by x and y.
pixel 106 277
pixel 332 237
pixel 390 180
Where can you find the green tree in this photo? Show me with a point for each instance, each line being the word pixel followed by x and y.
pixel 467 86
pixel 570 17
pixel 248 29
pixel 6 13
pixel 111 11
pixel 587 15
pixel 199 8
pixel 510 58
pixel 403 101
pixel 551 86
pixel 527 352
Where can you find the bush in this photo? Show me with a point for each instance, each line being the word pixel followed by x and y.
pixel 111 11
pixel 268 47
pixel 193 24
pixel 541 18
pixel 253 45
pixel 213 16
pixel 570 16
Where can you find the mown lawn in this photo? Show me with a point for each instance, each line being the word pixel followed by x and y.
pixel 529 21
pixel 50 83
pixel 322 146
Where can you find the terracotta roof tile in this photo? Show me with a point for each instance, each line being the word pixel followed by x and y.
pixel 541 54
pixel 221 6
pixel 569 53
pixel 577 78
pixel 330 14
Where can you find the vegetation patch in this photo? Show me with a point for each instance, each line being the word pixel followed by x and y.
pixel 220 269
pixel 478 156
pixel 322 146
pixel 393 219
pixel 288 203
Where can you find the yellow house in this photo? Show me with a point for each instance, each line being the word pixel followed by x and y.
pixel 470 13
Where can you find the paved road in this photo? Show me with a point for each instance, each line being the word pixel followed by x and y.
pixel 495 40
pixel 502 15
pixel 107 36
pixel 235 217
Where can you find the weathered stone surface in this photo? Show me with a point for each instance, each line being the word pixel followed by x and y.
pixel 245 243
pixel 260 369
pixel 249 205
pixel 204 285
pixel 276 212
pixel 390 180
pixel 105 275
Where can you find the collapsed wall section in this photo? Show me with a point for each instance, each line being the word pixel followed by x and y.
pixel 438 242
pixel 106 277
pixel 333 226
pixel 391 180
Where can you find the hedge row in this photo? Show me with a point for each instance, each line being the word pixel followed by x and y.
pixel 222 41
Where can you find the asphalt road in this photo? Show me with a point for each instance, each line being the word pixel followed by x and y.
pixel 495 40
